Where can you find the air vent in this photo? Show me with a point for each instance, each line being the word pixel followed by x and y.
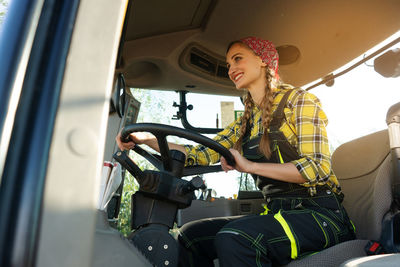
pixel 202 62
pixel 222 71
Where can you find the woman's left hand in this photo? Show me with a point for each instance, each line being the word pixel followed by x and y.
pixel 242 164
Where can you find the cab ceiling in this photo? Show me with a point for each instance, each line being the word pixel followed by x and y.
pixel 313 37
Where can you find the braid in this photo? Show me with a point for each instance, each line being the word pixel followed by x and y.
pixel 266 116
pixel 248 107
pixel 266 106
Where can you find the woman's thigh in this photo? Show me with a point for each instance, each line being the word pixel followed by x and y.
pixel 280 237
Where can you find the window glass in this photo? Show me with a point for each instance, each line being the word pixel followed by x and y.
pixel 3 11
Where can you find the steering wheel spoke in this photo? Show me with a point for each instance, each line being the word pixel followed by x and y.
pixel 164 151
pixel 154 159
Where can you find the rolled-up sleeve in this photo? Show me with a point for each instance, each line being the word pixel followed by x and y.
pixel 314 163
pixel 202 155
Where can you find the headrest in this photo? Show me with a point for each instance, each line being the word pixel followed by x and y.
pixel 360 156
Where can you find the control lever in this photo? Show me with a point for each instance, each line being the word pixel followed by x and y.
pixel 194 184
pixel 128 164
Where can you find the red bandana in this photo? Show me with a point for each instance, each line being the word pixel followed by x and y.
pixel 265 50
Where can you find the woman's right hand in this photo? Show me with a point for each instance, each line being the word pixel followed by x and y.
pixel 135 138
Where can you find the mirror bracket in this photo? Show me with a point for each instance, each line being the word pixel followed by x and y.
pixel 181 115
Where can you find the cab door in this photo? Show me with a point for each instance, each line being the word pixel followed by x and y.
pixel 56 72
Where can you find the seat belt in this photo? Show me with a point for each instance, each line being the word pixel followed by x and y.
pixel 393 122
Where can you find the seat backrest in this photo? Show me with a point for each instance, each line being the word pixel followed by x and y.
pixel 365 172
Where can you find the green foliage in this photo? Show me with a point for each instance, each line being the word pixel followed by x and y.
pixel 3 10
pixel 124 218
pixel 153 105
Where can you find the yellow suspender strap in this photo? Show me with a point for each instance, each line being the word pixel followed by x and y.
pixel 266 210
pixel 279 153
pixel 288 232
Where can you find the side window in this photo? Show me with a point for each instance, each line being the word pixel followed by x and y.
pixel 213 110
pixel 357 103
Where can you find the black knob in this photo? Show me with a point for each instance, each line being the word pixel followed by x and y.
pixel 196 183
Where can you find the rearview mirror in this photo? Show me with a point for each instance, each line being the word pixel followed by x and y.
pixel 119 96
pixel 388 64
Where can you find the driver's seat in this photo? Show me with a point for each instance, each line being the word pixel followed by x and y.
pixel 365 171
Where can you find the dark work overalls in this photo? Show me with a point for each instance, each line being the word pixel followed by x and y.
pixel 296 224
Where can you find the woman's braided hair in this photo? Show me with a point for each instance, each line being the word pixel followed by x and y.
pixel 265 107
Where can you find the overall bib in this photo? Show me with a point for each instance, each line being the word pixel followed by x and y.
pixel 294 225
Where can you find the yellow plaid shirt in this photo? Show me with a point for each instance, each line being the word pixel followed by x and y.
pixel 304 127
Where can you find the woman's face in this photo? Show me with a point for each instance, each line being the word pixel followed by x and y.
pixel 246 69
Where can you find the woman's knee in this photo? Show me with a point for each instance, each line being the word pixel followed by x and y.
pixel 230 240
pixel 227 244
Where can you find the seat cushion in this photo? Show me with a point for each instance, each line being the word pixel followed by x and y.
pixel 333 256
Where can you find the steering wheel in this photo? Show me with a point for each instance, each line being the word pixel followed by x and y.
pixel 162 193
pixel 165 161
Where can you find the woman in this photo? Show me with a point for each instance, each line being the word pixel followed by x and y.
pixel 281 140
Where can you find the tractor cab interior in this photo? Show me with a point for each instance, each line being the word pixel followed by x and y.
pixel 72 76
pixel 183 50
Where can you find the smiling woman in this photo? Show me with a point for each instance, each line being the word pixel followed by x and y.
pixel 288 158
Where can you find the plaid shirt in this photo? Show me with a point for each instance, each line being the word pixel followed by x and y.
pixel 304 128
